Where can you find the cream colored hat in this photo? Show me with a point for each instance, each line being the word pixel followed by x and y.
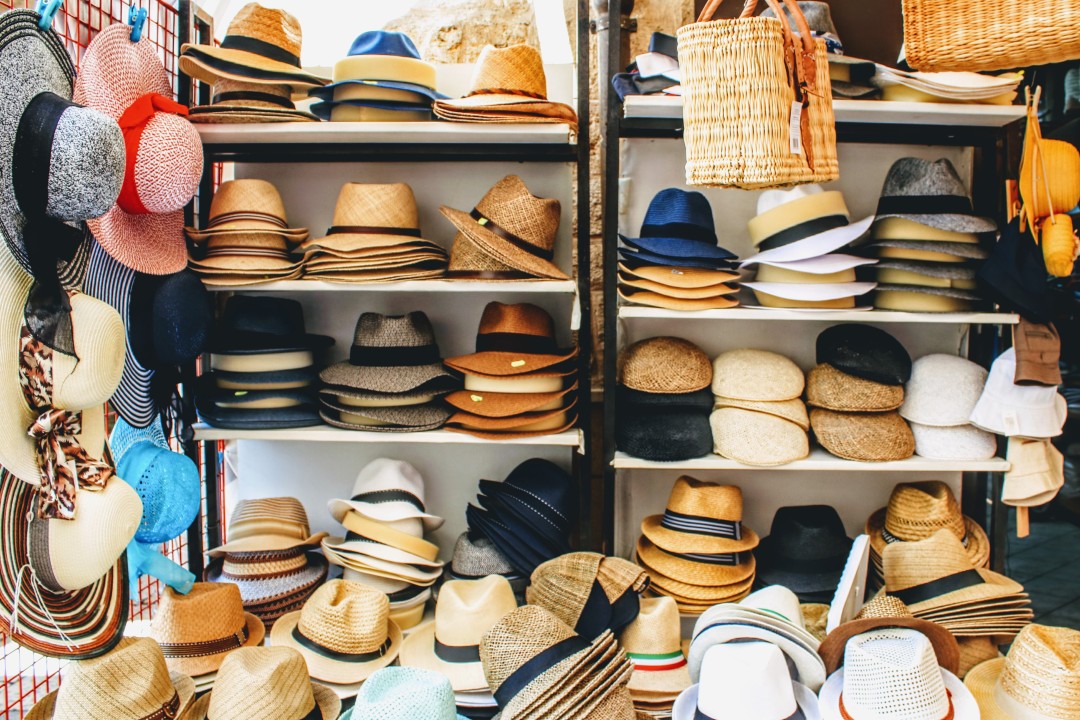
pixel 387 490
pixel 652 642
pixel 263 524
pixel 943 390
pixel 749 374
pixel 757 438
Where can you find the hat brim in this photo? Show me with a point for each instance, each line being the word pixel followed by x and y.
pixel 643 256
pixel 665 436
pixel 695 594
pixel 659 300
pixel 948 221
pixel 266 543
pixel 152 244
pixel 632 282
pixel 206 664
pixel 690 572
pixel 686 705
pixel 326 701
pixel 261 592
pixel 382 568
pixel 719 629
pixel 508 364
pixel 963 702
pixel 418 650
pixel 326 668
pixel 676 277
pixel 270 380
pixel 816 245
pixel 950 251
pixel 209 64
pixel 520 555
pixel 251 419
pixel 793 410
pixel 945 647
pixel 377 550
pixel 500 249
pixel 678 248
pixel 326 92
pixel 503 405
pixel 977 545
pixel 247 114
pixel 811 292
pixel 385 379
pixel 684 542
pixel 45 708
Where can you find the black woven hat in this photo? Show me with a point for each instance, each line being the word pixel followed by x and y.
pixel 698 400
pixel 663 435
pixel 254 324
pixel 1014 276
pixel 866 352
pixel 806 550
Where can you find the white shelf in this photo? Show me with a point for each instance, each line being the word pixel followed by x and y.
pixel 818 460
pixel 326 433
pixel 868 316
pixel 554 287
pixel 384 132
pixel 858 111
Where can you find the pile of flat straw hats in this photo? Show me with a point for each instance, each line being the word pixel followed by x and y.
pixel 938 401
pixel 698 551
pixel 759 416
pixel 653 644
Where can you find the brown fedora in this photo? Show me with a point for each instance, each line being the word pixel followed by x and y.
pixel 242 207
pixel 865 437
pixel 233 101
pixel 513 340
pixel 832 389
pixel 506 404
pixel 512 226
pixel 701 517
pixel 374 215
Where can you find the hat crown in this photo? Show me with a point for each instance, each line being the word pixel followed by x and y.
pixel 864 349
pixel 210 611
pixel 511 206
pixel 908 564
pixel 384 42
pixel 393 693
pixel 809 532
pixel 169 163
pixel 223 87
pixel 943 390
pixel 1040 673
pixel 247 195
pixel 467 609
pixel 261 682
pixel 778 601
pixel 346 617
pixel 884 606
pixel 519 637
pixel 892 674
pixel 374 205
pixel 478 558
pixel 707 499
pixel 656 630
pixel 279 317
pixel 562 584
pixel 131 681
pixel 750 374
pixel 747 680
pixel 674 212
pixel 411 330
pixel 1001 387
pixel 282 516
pixel 667 365
pixel 918 510
pixel 518 69
pixel 517 319
pixel 547 484
pixel 915 177
pixel 271 25
pixel 772 199
pixel 382 474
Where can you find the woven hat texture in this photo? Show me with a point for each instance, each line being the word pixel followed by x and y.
pixel 564 584
pixel 244 207
pixel 702 501
pixel 757 438
pixel 914 177
pixel 405 692
pixel 832 389
pixel 652 641
pixel 864 351
pixel 793 410
pixel 866 437
pixel 675 571
pixel 262 524
pixel 943 390
pixel 664 365
pixel 253 102
pixel 372 207
pixel 748 374
pixel 476 557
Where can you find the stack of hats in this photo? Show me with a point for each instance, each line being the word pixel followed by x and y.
pixel 759 416
pixel 255 70
pixel 855 391
pixel 806 551
pixel 476 557
pixel 653 73
pixel 529 516
pixel 508 86
pixel 263 366
pixel 450 644
pixel 385 520
pixel 937 580
pixel 917 511
pixel 375 238
pixel 247 239
pixel 698 551
pixel 197 630
pixel 383 79
pixel 798 234
pixel 951 87
pixel 393 380
pixel 516 383
pixel 344 632
pixel 663 400
pixel 654 645
pixel 926 236
pixel 267 556
pixel 938 401
pixel 676 263
pixel 538 667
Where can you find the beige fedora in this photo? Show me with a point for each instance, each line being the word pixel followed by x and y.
pixel 197 630
pixel 653 644
pixel 864 437
pixel 247 206
pixel 370 215
pixel 701 517
pixel 757 438
pixel 749 374
pixel 450 644
pixel 263 524
pixel 685 278
pixel 570 587
pixel 710 571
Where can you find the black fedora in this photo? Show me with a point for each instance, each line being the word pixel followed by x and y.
pixel 521 556
pixel 256 324
pixel 524 519
pixel 1014 276
pixel 806 551
pixel 256 410
pixel 866 352
pixel 542 484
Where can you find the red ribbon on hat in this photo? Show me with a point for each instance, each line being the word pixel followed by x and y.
pixel 133 122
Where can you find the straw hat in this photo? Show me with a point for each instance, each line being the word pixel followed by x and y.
pixel 247 206
pixel 703 597
pixel 664 365
pixel 450 644
pixel 805 214
pixel 628 284
pixel 1035 681
pixel 394 693
pixel 266 682
pixel 943 390
pixel 707 570
pixel 236 101
pixel 570 586
pixel 791 410
pixel 864 351
pixel 513 340
pixel 513 226
pixel 701 517
pixel 129 683
pixel 865 437
pixel 344 632
pixel 757 438
pixel 832 389
pixel 652 642
pixel 370 215
pixel 126 81
pixel 261 45
pixel 278 578
pixel 974 651
pixel 197 630
pixel 911 180
pixel 387 490
pixel 509 404
pixel 679 224
pixel 748 374
pixel 675 277
pixel 264 524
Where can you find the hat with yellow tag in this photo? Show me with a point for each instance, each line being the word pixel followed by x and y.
pixel 513 340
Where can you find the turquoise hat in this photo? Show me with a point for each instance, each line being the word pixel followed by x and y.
pixel 404 693
pixel 166 481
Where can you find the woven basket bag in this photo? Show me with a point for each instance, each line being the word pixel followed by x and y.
pixel 973 35
pixel 743 82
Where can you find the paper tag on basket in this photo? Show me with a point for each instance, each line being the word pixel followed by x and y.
pixel 795 128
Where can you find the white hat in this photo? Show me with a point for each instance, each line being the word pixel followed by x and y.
pixel 959 442
pixel 1005 408
pixel 801 223
pixel 821 265
pixel 748 681
pixel 892 674
pixel 1036 472
pixel 942 391
pixel 387 490
pixel 812 292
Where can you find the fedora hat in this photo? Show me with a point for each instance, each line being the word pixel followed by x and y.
pixel 705 570
pixel 632 285
pixel 247 207
pixel 261 45
pixel 387 490
pixel 1012 409
pixel 512 226
pixel 344 632
pixel 894 658
pixel 450 644
pixel 674 277
pixel 930 193
pixel 497 405
pixel 748 374
pixel 508 85
pixel 542 487
pixel 806 550
pixel 131 682
pixel 390 419
pixel 268 524
pixel 1035 681
pixel 757 438
pixel 700 517
pixel 237 101
pixel 272 582
pixel 370 215
pixel 404 692
pixel 749 681
pixel 832 389
pixel 864 351
pixel 198 629
pixel 588 591
pixel 259 409
pixel 260 325
pixel 81 151
pixel 679 224
pixel 266 682
pixel 943 390
pixel 513 340
pixel 802 223
pixel 863 437
pixel 127 82
pixel 664 365
pixel 652 642
pixel 397 541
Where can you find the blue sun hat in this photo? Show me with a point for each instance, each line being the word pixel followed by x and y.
pixel 404 693
pixel 166 481
pixel 679 227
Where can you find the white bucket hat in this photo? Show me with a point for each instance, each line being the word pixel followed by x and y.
pixel 1005 408
pixel 748 681
pixel 942 391
pixel 387 490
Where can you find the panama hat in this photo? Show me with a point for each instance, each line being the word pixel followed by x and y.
pixel 748 374
pixel 664 365
pixel 265 524
pixel 394 693
pixel 513 226
pixel 236 101
pixel 266 682
pixel 679 224
pixel 387 490
pixel 81 150
pixel 1007 408
pixel 513 340
pixel 588 591
pixel 126 81
pixel 198 629
pixel 757 438
pixel 261 45
pixel 894 658
pixel 864 351
pixel 832 389
pixel 701 517
pixel 930 193
pixel 129 683
pixel 806 550
pixel 372 215
pixel 672 571
pixel 943 390
pixel 653 644
pixel 247 206
pixel 864 437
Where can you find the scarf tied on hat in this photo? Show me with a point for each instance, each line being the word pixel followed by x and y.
pixel 133 122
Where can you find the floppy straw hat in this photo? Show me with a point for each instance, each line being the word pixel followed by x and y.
pixel 394 693
pixel 264 524
pixel 757 438
pixel 129 683
pixel 864 437
pixel 198 629
pixel 513 226
pixel 126 81
pixel 236 101
pixel 387 490
pixel 748 374
pixel 943 390
pixel 513 340
pixel 664 365
pixel 832 389
pixel 701 517
pixel 652 642
pixel 588 591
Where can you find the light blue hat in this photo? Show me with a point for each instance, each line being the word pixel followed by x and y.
pixel 166 481
pixel 404 693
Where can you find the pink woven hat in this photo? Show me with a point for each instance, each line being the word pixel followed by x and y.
pixel 125 80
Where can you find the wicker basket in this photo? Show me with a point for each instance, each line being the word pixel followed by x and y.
pixel 742 81
pixel 975 35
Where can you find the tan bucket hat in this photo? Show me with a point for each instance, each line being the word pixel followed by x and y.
pixel 664 365
pixel 757 438
pixel 832 389
pixel 864 437
pixel 450 644
pixel 749 374
pixel 197 630
pixel 654 645
pixel 704 571
pixel 701 517
pixel 264 524
pixel 588 591
pixel 129 683
pixel 247 206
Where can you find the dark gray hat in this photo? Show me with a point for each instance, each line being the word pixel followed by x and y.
pixel 949 271
pixel 930 193
pixel 970 251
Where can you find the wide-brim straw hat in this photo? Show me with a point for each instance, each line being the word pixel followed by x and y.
pixel 791 410
pixel 413 418
pixel 686 594
pixel 674 277
pixel 832 389
pixel 266 525
pixel 660 300
pixel 691 571
pixel 757 438
pixel 236 102
pixel 664 365
pixel 749 374
pixel 864 437
pixel 373 215
pixel 247 207
pixel 716 510
pixel 631 283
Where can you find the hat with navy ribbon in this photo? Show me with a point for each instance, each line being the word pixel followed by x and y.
pixel 679 225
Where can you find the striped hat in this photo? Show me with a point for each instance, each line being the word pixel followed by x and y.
pixel 267 524
pixel 654 645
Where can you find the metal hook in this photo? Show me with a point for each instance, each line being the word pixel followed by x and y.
pixel 47 10
pixel 137 20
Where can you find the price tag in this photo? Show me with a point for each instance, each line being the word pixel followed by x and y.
pixel 795 128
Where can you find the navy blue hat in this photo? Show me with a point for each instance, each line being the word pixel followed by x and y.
pixel 257 324
pixel 679 224
pixel 225 408
pixel 1014 276
pixel 386 43
pixel 635 258
pixel 523 557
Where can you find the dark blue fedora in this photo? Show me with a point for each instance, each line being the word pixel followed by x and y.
pixel 679 224
pixel 380 43
pixel 521 556
pixel 525 522
pixel 258 324
pixel 243 410
pixel 637 258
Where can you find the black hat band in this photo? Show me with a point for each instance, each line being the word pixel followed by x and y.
pixel 260 47
pixel 936 588
pixel 457 653
pixel 802 231
pixel 535 667
pixel 326 652
pixel 366 356
pixel 375 497
pixel 516 343
pixel 372 230
pixel 277 100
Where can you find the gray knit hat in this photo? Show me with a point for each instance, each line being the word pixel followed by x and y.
pixel 930 193
pixel 477 558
